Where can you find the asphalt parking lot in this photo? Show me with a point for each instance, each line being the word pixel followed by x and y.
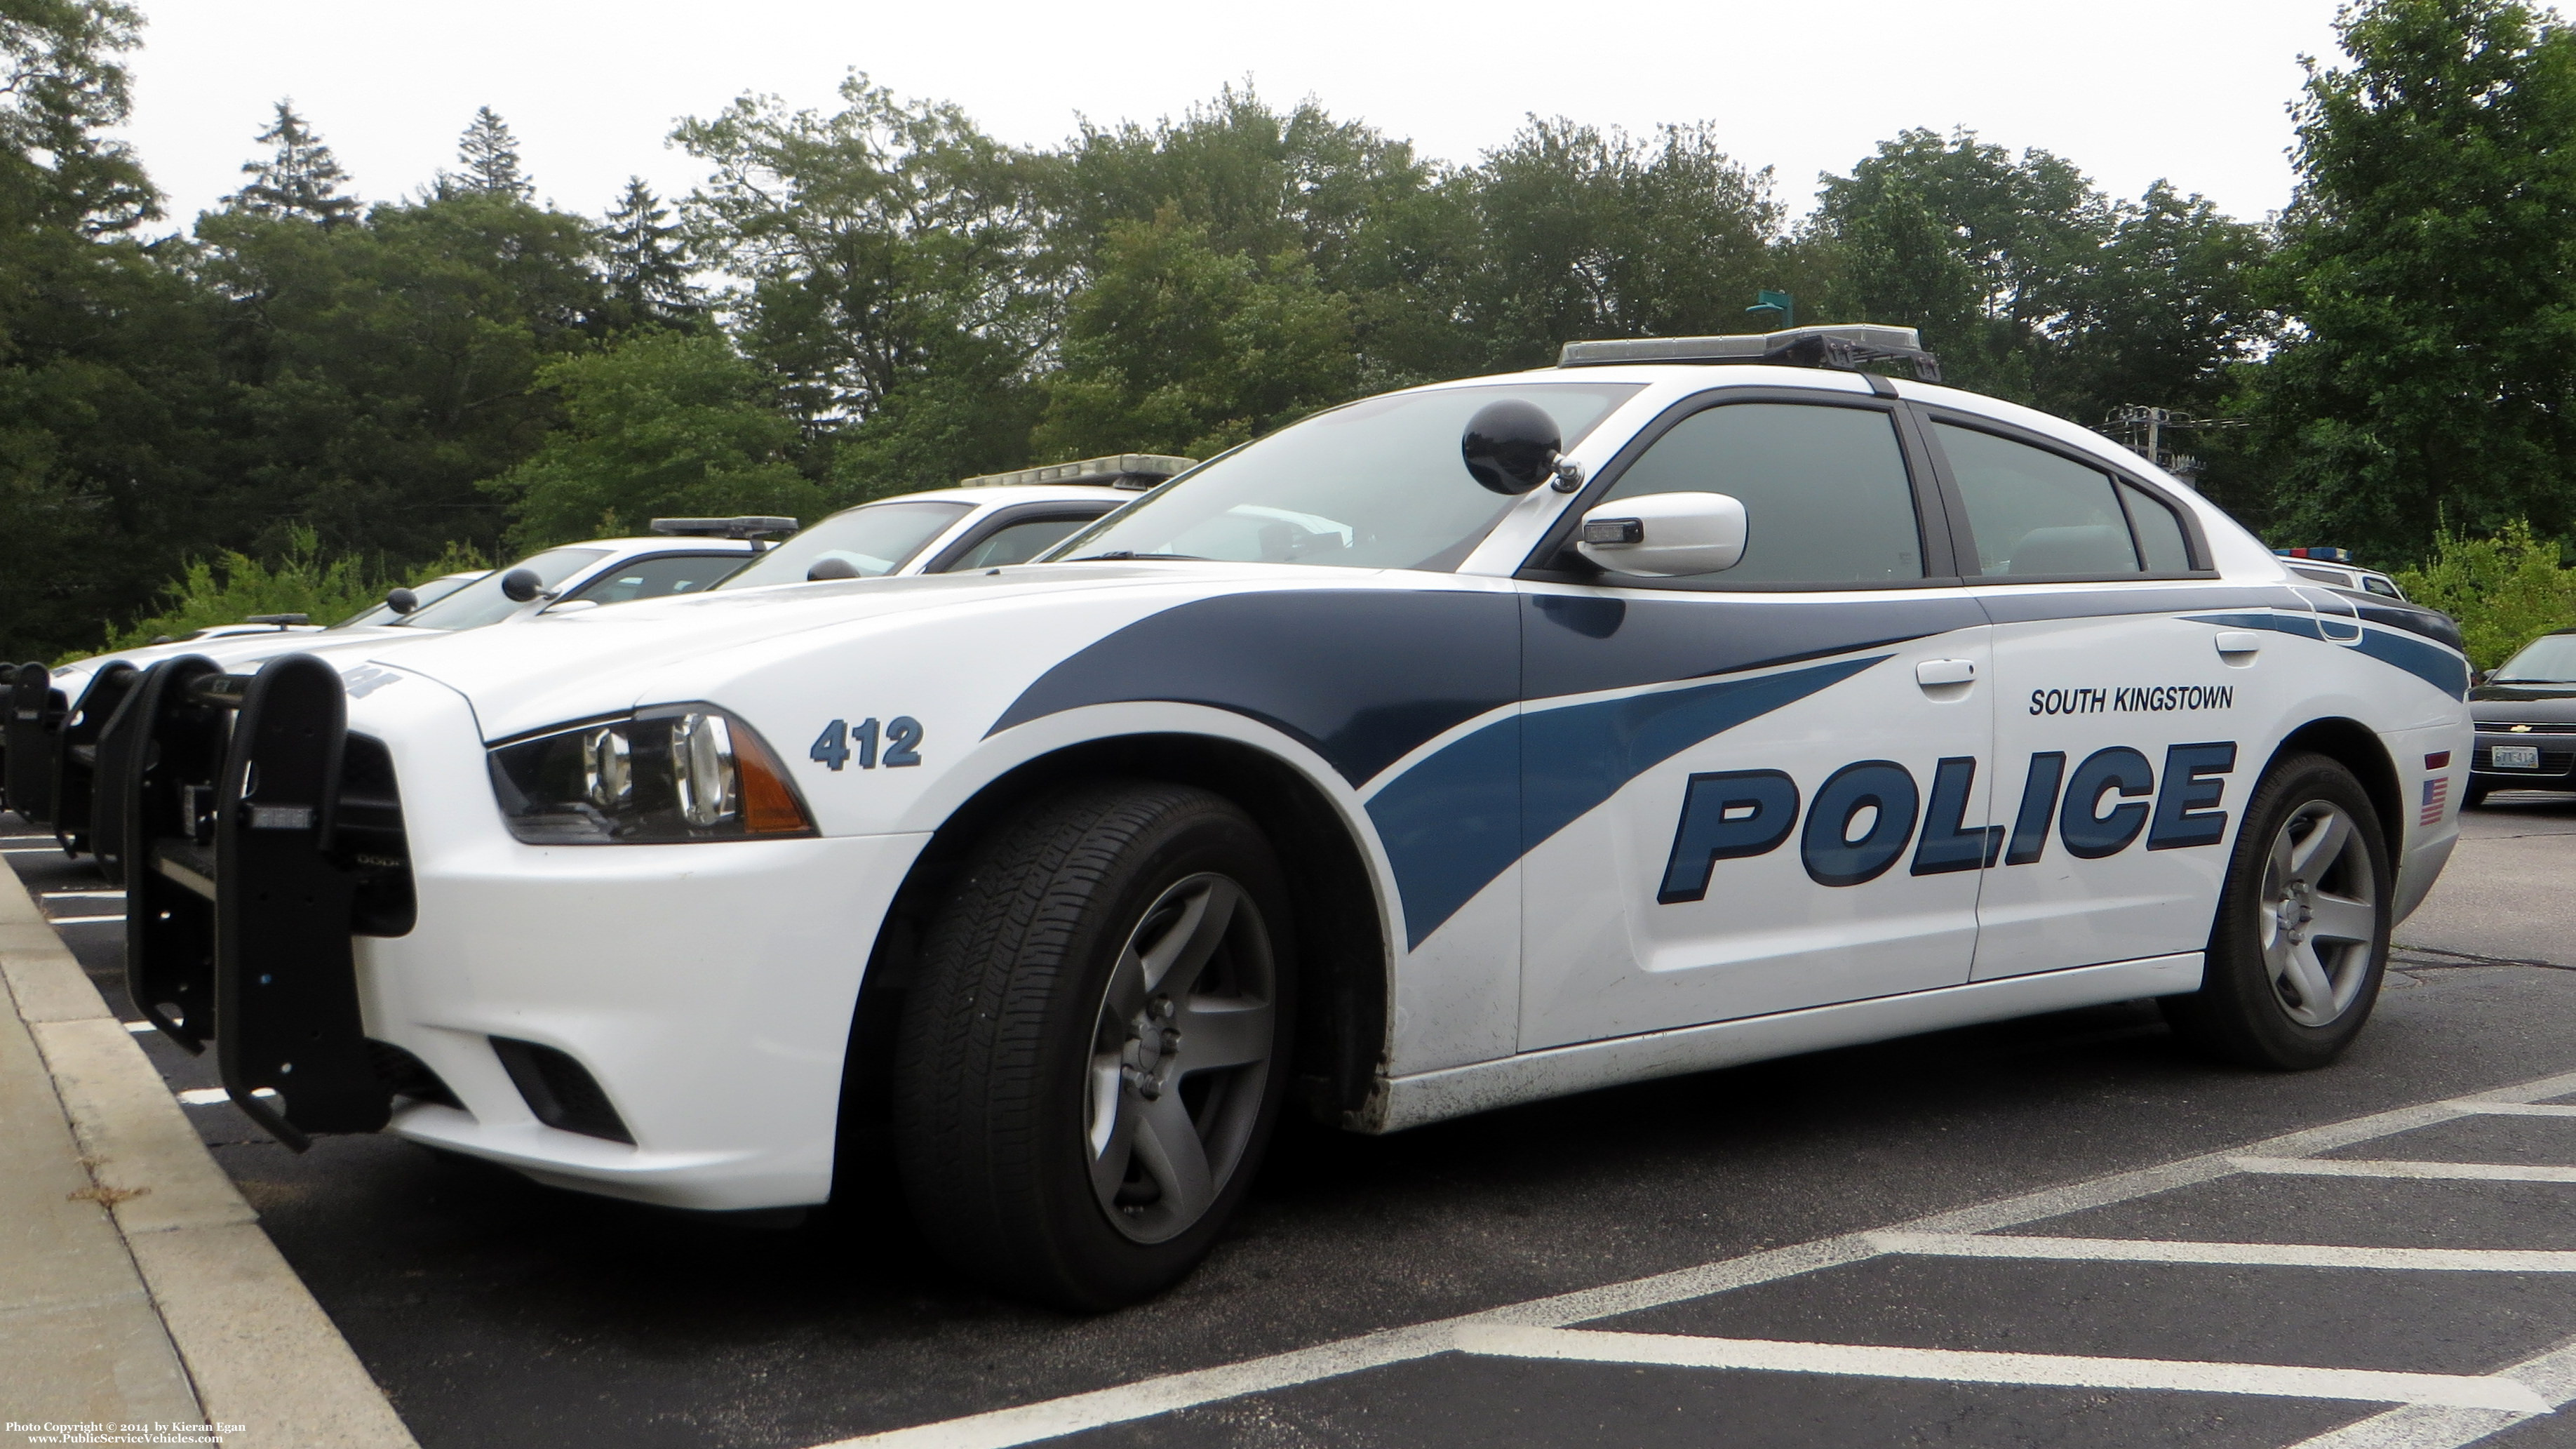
pixel 2052 1232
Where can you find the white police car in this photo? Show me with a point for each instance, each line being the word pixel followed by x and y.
pixel 1685 704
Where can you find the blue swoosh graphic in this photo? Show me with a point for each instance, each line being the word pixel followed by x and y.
pixel 2429 662
pixel 1459 818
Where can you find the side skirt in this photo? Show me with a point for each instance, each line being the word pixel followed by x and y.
pixel 1561 1071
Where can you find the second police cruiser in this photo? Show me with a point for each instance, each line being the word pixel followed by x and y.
pixel 1691 702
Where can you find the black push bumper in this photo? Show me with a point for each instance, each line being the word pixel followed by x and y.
pixel 27 734
pixel 259 838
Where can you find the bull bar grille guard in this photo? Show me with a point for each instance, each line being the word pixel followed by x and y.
pixel 259 838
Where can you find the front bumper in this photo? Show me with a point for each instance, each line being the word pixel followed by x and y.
pixel 2556 770
pixel 699 997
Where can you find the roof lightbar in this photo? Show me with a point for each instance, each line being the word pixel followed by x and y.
pixel 1846 346
pixel 2321 555
pixel 1118 470
pixel 745 527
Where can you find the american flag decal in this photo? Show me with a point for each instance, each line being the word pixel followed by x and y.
pixel 2437 793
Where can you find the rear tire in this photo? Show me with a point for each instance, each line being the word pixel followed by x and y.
pixel 2474 796
pixel 1094 1052
pixel 2301 938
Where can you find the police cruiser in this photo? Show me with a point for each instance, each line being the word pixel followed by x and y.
pixel 1691 702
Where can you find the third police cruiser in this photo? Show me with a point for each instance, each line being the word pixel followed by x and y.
pixel 1693 701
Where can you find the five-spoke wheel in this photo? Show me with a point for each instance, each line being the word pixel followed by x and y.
pixel 2301 935
pixel 1095 1044
pixel 1186 1023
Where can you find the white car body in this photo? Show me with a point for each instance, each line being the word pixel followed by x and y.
pixel 1498 765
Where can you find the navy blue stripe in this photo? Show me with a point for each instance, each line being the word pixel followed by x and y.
pixel 1449 823
pixel 2302 623
pixel 2431 663
pixel 1361 676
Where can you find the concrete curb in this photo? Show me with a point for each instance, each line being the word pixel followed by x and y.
pixel 259 1351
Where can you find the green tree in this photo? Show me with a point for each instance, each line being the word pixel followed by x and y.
pixel 109 407
pixel 1984 252
pixel 668 423
pixel 1179 347
pixel 2505 590
pixel 383 369
pixel 490 156
pixel 889 270
pixel 1371 220
pixel 2429 259
pixel 300 178
pixel 643 263
pixel 1591 233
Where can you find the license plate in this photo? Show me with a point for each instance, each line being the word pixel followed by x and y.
pixel 2517 757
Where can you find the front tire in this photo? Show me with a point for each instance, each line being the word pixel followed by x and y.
pixel 1095 1049
pixel 2301 938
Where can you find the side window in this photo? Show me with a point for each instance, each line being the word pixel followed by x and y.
pixel 2033 512
pixel 659 576
pixel 1018 542
pixel 1825 492
pixel 2160 537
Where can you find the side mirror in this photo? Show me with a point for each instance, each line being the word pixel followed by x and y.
pixel 2483 676
pixel 1511 446
pixel 402 601
pixel 1663 535
pixel 831 566
pixel 521 585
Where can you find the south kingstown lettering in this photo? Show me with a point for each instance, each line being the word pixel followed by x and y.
pixel 2133 699
pixel 1864 815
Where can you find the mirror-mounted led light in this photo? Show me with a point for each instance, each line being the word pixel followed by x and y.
pixel 665 775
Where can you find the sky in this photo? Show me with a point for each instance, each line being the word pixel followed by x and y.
pixel 2193 91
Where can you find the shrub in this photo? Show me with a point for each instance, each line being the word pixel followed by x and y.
pixel 2504 590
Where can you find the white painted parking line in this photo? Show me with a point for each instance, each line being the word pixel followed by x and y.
pixel 1147 1398
pixel 2526 1109
pixel 1961 1366
pixel 80 920
pixel 210 1096
pixel 2437 1171
pixel 2257 1255
pixel 31 849
pixel 84 895
pixel 141 1028
pixel 2551 1375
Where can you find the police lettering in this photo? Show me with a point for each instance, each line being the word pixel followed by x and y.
pixel 2133 699
pixel 1864 814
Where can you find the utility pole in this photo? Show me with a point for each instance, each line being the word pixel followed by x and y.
pixel 2143 427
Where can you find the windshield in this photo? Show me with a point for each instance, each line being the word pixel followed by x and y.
pixel 2549 659
pixel 426 595
pixel 875 540
pixel 1377 484
pixel 482 602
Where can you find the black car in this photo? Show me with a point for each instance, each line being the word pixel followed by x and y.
pixel 2526 716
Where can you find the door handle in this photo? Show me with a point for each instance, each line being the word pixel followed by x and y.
pixel 1937 673
pixel 2237 646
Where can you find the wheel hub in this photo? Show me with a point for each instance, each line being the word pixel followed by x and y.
pixel 1153 1045
pixel 2297 908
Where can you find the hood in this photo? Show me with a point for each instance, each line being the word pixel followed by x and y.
pixel 2524 703
pixel 236 652
pixel 558 667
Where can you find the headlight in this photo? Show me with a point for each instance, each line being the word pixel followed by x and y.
pixel 671 773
